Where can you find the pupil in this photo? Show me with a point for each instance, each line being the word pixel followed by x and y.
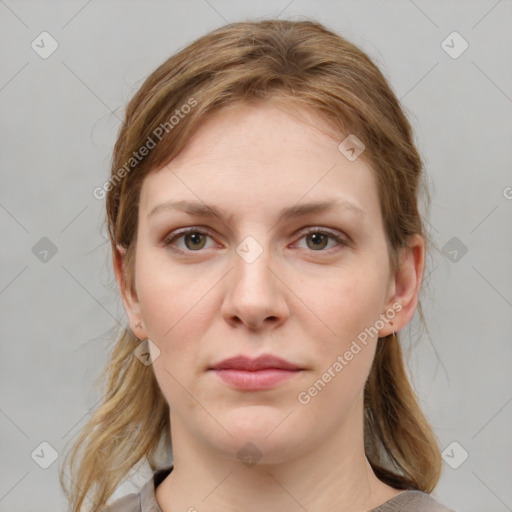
pixel 195 238
pixel 317 238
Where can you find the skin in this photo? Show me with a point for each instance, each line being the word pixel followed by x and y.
pixel 304 299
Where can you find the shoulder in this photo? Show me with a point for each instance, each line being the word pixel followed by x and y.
pixel 144 500
pixel 128 503
pixel 412 500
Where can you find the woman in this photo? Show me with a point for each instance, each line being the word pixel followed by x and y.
pixel 263 216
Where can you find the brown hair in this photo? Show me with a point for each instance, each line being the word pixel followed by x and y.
pixel 303 64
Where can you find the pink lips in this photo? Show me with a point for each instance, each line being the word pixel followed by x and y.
pixel 249 374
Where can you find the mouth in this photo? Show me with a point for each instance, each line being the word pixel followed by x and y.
pixel 255 380
pixel 248 374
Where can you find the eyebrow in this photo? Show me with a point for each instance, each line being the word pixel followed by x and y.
pixel 299 210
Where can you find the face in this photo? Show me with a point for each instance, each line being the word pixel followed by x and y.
pixel 310 285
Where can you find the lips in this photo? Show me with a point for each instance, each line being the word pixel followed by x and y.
pixel 260 363
pixel 264 372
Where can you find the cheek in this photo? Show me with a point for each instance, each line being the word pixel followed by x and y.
pixel 170 299
pixel 345 304
pixel 344 342
pixel 175 319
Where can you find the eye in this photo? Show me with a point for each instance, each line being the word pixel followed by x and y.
pixel 317 239
pixel 193 238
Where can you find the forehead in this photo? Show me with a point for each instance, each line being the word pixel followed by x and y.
pixel 261 157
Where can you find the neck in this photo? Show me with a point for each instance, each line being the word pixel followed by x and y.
pixel 333 476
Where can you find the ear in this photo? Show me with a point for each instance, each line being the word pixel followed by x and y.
pixel 130 301
pixel 405 286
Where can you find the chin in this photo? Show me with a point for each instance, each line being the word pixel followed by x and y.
pixel 258 419
pixel 262 433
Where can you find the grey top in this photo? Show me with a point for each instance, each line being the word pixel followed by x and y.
pixel 145 501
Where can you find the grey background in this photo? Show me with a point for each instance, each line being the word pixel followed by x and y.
pixel 59 121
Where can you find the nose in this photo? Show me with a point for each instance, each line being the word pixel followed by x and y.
pixel 255 295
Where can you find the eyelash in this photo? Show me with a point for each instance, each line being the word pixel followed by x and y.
pixel 168 241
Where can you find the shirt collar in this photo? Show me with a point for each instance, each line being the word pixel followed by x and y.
pixel 148 501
